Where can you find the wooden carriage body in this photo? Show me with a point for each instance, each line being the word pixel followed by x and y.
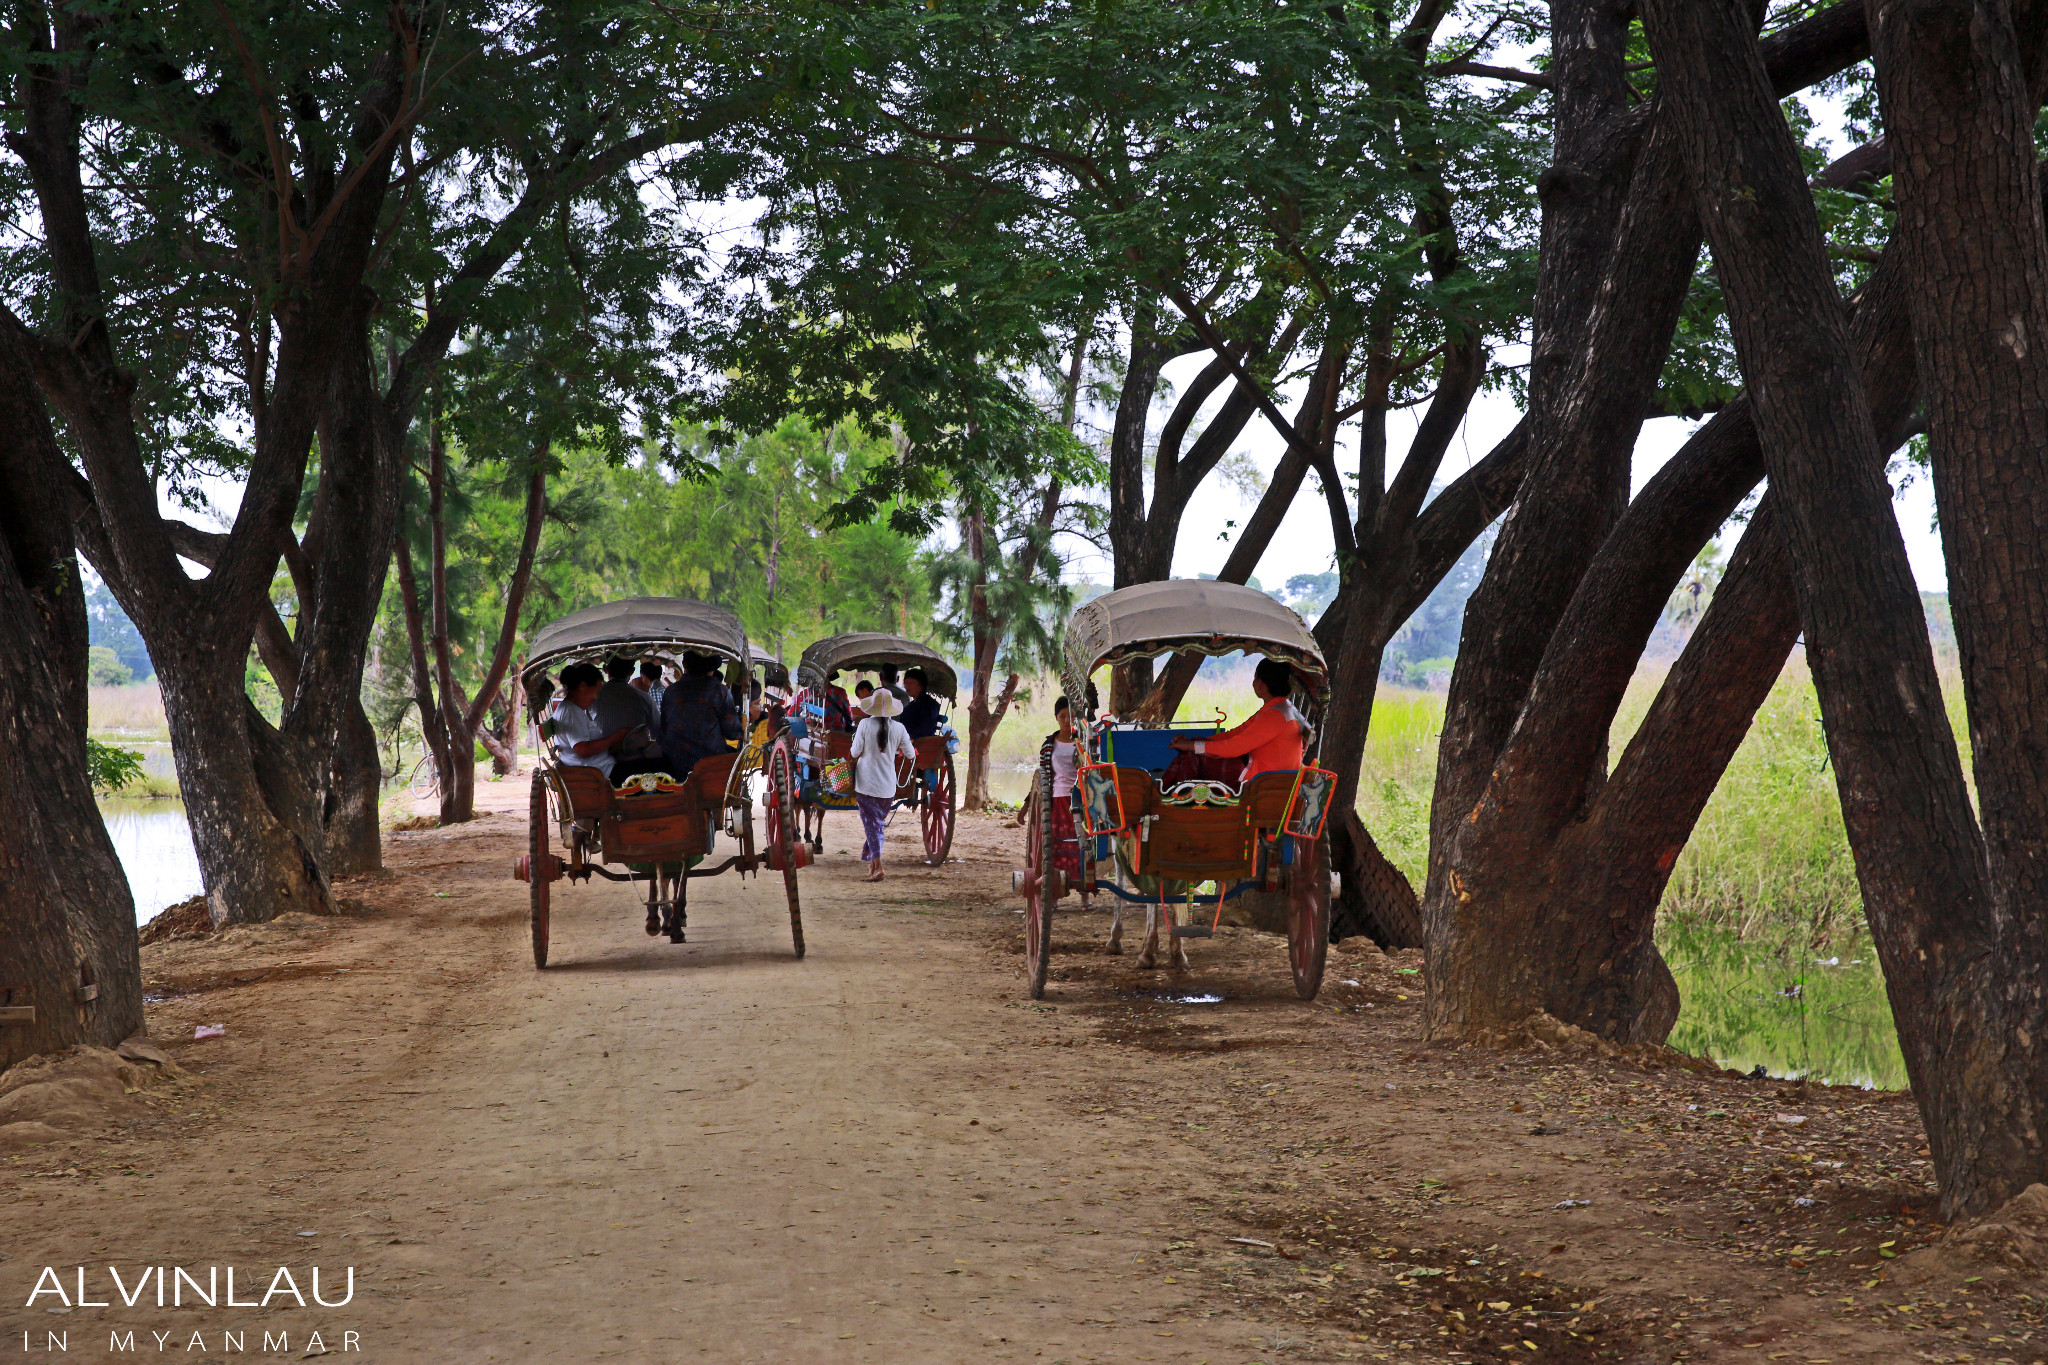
pixel 655 828
pixel 1141 841
pixel 663 822
pixel 927 786
pixel 1216 839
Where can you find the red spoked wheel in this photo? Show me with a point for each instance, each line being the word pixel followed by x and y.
pixel 1308 914
pixel 540 869
pixel 936 814
pixel 1044 890
pixel 781 830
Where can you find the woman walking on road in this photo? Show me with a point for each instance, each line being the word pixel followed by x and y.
pixel 876 742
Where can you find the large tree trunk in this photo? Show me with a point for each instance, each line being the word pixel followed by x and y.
pixel 67 936
pixel 256 828
pixel 355 842
pixel 1960 117
pixel 1571 496
pixel 1919 858
pixel 1516 845
pixel 1520 929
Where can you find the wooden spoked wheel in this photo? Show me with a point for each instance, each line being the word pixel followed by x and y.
pixel 781 829
pixel 1038 908
pixel 539 867
pixel 1308 914
pixel 936 816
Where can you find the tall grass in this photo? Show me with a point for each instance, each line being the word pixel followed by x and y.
pixel 1768 857
pixel 135 711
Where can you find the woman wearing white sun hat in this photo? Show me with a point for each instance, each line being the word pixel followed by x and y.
pixel 876 742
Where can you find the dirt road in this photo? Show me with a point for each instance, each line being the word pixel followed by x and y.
pixel 884 1153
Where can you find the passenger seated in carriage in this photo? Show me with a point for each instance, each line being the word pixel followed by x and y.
pixel 1273 739
pixel 581 741
pixel 698 716
pixel 618 704
pixel 922 713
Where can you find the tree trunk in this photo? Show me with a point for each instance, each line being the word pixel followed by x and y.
pixel 355 843
pixel 433 725
pixel 511 706
pixel 985 634
pixel 1919 858
pixel 1536 565
pixel 68 930
pixel 1552 881
pixel 1571 495
pixel 1959 115
pixel 455 759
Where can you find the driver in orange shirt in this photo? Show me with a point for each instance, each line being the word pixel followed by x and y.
pixel 1271 740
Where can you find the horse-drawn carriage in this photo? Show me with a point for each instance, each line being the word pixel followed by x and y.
pixel 1144 840
pixel 657 827
pixel 927 786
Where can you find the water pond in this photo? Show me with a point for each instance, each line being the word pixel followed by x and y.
pixel 1785 1007
pixel 154 842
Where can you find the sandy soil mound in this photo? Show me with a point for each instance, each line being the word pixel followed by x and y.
pixel 63 1094
pixel 186 919
pixel 2010 1244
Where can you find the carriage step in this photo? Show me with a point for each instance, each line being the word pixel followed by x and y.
pixel 1193 931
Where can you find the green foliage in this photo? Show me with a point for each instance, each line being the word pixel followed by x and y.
pixel 105 669
pixel 751 531
pixel 986 180
pixel 111 768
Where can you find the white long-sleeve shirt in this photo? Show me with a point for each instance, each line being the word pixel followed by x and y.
pixel 874 760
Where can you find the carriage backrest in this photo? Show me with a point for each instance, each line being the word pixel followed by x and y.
pixel 1139 792
pixel 709 777
pixel 1264 799
pixel 1196 843
pixel 588 790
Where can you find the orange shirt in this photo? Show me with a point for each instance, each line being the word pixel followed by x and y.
pixel 1271 738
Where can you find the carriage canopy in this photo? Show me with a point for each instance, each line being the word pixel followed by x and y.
pixel 868 649
pixel 663 625
pixel 1188 614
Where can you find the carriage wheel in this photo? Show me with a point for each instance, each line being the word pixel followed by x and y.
pixel 1038 910
pixel 539 865
pixel 1308 915
pixel 782 829
pixel 937 814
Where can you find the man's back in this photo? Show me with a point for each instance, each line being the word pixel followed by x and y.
pixel 620 705
pixel 921 716
pixel 697 718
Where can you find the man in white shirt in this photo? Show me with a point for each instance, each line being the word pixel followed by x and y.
pixel 580 739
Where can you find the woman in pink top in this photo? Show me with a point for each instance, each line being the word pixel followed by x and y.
pixel 1273 739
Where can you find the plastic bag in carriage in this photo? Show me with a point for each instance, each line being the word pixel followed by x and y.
pixel 838 777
